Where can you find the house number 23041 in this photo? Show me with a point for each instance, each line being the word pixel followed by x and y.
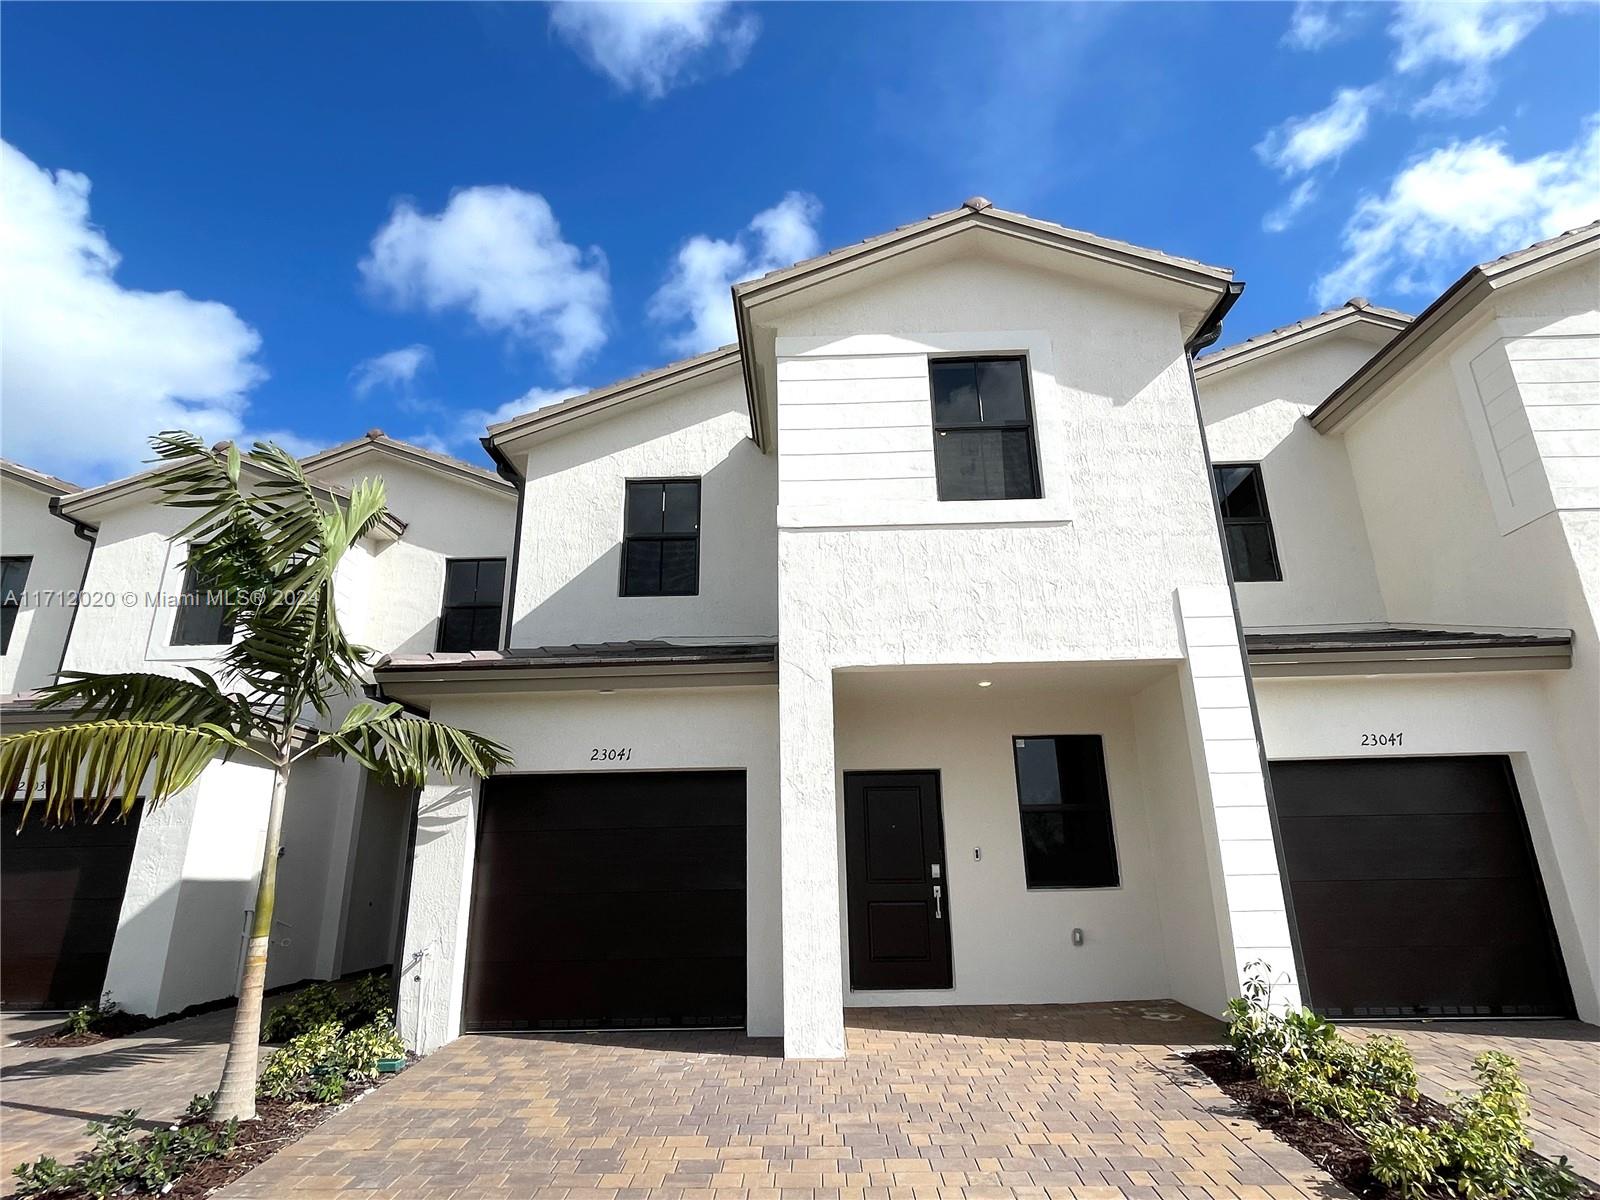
pixel 611 754
pixel 1381 739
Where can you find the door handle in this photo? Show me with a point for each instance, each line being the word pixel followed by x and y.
pixel 938 910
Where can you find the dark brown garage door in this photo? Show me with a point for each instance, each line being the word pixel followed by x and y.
pixel 608 900
pixel 60 894
pixel 1415 889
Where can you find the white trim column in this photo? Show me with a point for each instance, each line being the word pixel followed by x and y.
pixel 808 804
pixel 1252 914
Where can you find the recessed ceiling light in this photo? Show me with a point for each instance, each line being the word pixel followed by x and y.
pixel 985 683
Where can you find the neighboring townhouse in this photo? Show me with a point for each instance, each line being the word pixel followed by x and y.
pixel 1412 506
pixel 43 565
pixel 891 657
pixel 154 910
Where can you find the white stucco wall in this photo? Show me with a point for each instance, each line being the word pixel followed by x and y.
pixel 1511 714
pixel 1010 943
pixel 1255 412
pixel 569 573
pixel 884 576
pixel 392 593
pixel 715 728
pixel 27 527
pixel 1442 552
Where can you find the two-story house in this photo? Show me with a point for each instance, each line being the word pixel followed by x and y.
pixel 891 656
pixel 154 910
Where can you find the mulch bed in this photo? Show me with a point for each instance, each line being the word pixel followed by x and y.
pixel 1330 1145
pixel 121 1024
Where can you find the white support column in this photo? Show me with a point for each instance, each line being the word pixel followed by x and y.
pixel 1252 913
pixel 433 966
pixel 813 979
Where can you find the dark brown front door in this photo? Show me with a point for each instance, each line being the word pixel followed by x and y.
pixel 613 899
pixel 1416 890
pixel 899 896
pixel 60 895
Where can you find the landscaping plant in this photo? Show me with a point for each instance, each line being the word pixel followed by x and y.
pixel 357 1004
pixel 318 1064
pixel 121 1161
pixel 268 544
pixel 1479 1150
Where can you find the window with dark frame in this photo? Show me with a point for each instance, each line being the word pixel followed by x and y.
pixel 983 445
pixel 201 620
pixel 1067 839
pixel 661 538
pixel 1246 524
pixel 474 591
pixel 13 580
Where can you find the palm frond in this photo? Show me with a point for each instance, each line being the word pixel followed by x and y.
pixel 405 748
pixel 162 698
pixel 101 764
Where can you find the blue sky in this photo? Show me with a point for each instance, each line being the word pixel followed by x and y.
pixel 304 220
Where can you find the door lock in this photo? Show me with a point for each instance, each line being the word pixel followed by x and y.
pixel 938 910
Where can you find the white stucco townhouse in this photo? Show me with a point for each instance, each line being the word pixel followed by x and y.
pixel 965 635
pixel 154 910
pixel 891 657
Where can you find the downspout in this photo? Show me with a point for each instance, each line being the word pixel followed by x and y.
pixel 87 533
pixel 1207 334
pixel 507 470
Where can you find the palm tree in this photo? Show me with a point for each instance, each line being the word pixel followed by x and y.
pixel 269 544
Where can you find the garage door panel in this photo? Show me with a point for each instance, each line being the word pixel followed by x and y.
pixel 591 995
pixel 1415 889
pixel 563 860
pixel 61 889
pixel 1431 846
pixel 619 925
pixel 612 899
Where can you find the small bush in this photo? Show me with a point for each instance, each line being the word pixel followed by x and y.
pixel 120 1161
pixel 353 1006
pixel 89 1018
pixel 1479 1152
pixel 319 1063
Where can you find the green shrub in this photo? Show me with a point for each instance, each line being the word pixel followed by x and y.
pixel 320 1062
pixel 353 1006
pixel 120 1161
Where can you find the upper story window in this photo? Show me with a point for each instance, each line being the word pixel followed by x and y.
pixel 1246 524
pixel 1067 838
pixel 983 429
pixel 202 620
pixel 13 579
pixel 474 589
pixel 661 538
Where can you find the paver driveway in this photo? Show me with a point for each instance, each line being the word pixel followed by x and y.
pixel 1079 1102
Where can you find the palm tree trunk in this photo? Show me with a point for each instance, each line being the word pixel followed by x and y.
pixel 236 1097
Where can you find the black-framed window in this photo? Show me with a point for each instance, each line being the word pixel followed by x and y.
pixel 1067 839
pixel 661 538
pixel 202 619
pixel 13 580
pixel 983 429
pixel 1246 524
pixel 474 590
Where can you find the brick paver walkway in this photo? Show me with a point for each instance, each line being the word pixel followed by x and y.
pixel 1082 1102
pixel 48 1094
pixel 1560 1063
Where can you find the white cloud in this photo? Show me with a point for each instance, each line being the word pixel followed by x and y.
pixel 1464 203
pixel 1284 215
pixel 1303 143
pixel 91 368
pixel 464 428
pixel 396 370
pixel 1468 36
pixel 1316 23
pixel 497 253
pixel 653 47
pixel 694 301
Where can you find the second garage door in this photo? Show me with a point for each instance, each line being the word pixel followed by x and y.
pixel 608 900
pixel 1415 889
